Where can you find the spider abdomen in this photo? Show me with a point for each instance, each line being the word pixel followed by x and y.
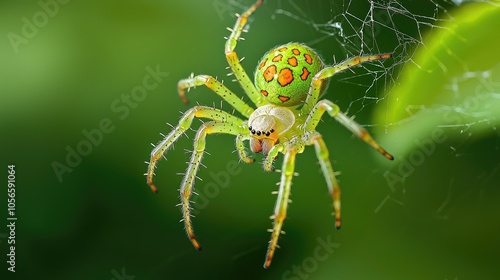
pixel 284 74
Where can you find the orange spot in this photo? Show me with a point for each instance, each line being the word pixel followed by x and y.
pixel 285 77
pixel 277 58
pixel 269 73
pixel 283 98
pixel 264 92
pixel 262 63
pixel 282 49
pixel 296 51
pixel 386 55
pixel 308 58
pixel 305 74
pixel 292 61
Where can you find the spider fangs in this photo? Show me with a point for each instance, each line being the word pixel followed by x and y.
pixel 289 80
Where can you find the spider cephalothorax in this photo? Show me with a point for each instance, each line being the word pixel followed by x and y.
pixel 268 124
pixel 289 81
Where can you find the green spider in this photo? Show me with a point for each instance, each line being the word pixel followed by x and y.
pixel 288 83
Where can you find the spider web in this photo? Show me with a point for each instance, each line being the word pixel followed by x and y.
pixel 371 27
pixel 398 27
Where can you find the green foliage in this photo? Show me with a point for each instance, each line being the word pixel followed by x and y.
pixel 453 84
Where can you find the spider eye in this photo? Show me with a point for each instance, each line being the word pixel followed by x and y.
pixel 250 128
pixel 253 131
pixel 258 133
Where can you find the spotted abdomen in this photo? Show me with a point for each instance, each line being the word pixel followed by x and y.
pixel 284 74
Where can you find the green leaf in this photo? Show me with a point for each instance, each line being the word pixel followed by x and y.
pixel 451 89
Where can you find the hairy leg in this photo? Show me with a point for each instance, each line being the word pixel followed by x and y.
pixel 333 110
pixel 218 88
pixel 186 188
pixel 281 203
pixel 234 61
pixel 326 167
pixel 327 72
pixel 184 124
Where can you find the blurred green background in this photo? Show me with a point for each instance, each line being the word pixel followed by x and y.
pixel 98 219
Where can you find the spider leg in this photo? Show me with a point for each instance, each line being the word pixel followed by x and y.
pixel 281 203
pixel 326 167
pixel 218 88
pixel 194 163
pixel 333 110
pixel 234 61
pixel 327 72
pixel 184 124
